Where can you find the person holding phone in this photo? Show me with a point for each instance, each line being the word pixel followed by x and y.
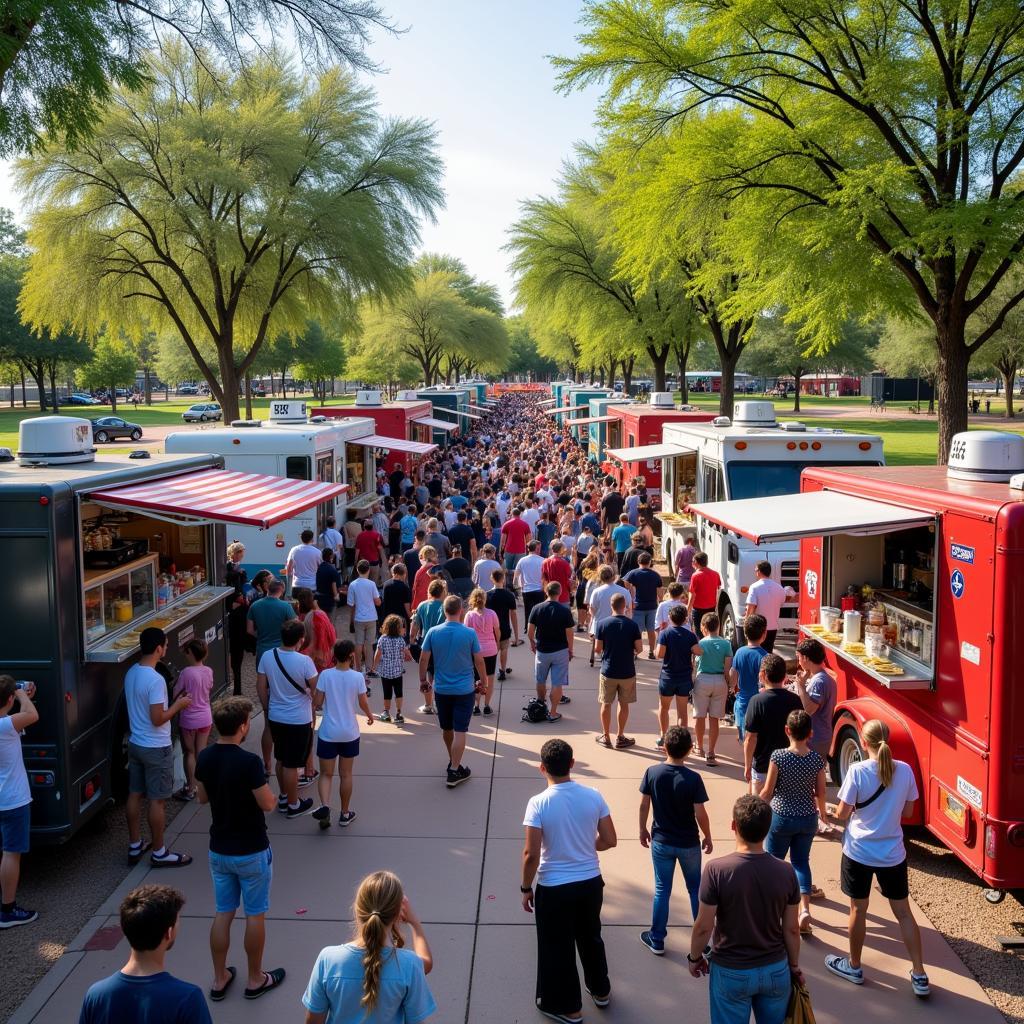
pixel 17 713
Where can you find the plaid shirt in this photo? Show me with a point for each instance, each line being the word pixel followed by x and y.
pixel 392 660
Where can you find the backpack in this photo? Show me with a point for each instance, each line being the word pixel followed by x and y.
pixel 535 711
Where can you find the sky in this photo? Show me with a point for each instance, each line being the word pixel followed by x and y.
pixel 477 69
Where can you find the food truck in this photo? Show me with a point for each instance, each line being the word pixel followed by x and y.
pixel 335 451
pixel 749 456
pixel 449 413
pixel 913 580
pixel 98 549
pixel 597 418
pixel 400 422
pixel 576 405
pixel 637 425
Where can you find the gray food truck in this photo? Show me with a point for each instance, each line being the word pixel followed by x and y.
pixel 96 550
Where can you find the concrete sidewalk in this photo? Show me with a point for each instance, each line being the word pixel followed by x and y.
pixel 458 853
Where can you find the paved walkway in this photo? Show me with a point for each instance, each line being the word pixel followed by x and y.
pixel 458 854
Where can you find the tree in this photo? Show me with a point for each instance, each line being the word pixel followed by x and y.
pixel 279 353
pixel 112 366
pixel 321 357
pixel 61 61
pixel 525 359
pixel 873 141
pixel 227 207
pixel 906 350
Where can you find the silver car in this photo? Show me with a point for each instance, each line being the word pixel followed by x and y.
pixel 202 412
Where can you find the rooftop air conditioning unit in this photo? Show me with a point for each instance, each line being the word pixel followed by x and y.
pixel 55 441
pixel 407 396
pixel 368 398
pixel 662 400
pixel 754 414
pixel 291 411
pixel 721 421
pixel 992 455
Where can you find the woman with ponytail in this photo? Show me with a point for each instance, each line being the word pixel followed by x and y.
pixel 873 799
pixel 374 979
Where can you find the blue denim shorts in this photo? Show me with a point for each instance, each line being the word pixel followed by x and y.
pixel 668 687
pixel 14 829
pixel 329 750
pixel 644 618
pixel 554 664
pixel 242 880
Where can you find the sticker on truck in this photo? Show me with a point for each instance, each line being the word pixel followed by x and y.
pixel 970 793
pixel 961 553
pixel 811 583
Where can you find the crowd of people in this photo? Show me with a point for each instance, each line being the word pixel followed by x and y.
pixel 508 536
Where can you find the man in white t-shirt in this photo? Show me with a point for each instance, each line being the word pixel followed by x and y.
pixel 483 567
pixel 531 515
pixel 364 600
pixel 303 561
pixel 528 577
pixel 566 827
pixel 284 681
pixel 15 796
pixel 332 538
pixel 150 754
pixel 766 597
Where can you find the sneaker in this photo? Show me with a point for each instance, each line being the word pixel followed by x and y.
pixel 308 780
pixel 476 709
pixel 501 676
pixel 383 717
pixel 488 710
pixel 919 983
pixel 19 915
pixel 346 818
pixel 564 700
pixel 660 741
pixel 562 1018
pixel 399 718
pixel 426 709
pixel 600 1001
pixel 657 948
pixel 282 805
pixel 323 815
pixel 457 775
pixel 305 806
pixel 841 966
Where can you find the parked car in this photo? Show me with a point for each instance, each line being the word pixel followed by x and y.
pixel 79 399
pixel 187 389
pixel 202 412
pixel 107 428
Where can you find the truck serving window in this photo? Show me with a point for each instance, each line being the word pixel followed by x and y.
pixel 296 467
pixel 765 479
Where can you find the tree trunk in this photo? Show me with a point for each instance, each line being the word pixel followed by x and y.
pixel 248 396
pixel 38 374
pixel 682 357
pixel 113 398
pixel 228 386
pixel 729 357
pixel 627 374
pixel 659 357
pixel 147 385
pixel 951 384
pixel 53 388
pixel 24 397
pixel 797 376
pixel 1009 378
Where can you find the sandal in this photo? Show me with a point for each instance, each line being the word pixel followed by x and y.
pixel 171 860
pixel 554 718
pixel 274 979
pixel 517 643
pixel 605 741
pixel 816 893
pixel 217 994
pixel 135 852
pixel 804 921
pixel 711 760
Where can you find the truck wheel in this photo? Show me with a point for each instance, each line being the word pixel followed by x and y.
pixel 848 752
pixel 728 624
pixel 993 896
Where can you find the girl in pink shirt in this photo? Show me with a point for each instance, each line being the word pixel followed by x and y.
pixel 484 622
pixel 196 720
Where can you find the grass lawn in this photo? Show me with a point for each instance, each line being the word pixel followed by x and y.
pixel 160 413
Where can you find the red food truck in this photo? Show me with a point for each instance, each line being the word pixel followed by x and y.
pixel 396 420
pixel 930 563
pixel 638 426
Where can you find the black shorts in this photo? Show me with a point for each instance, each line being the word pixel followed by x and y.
pixel 454 711
pixel 490 663
pixel 292 743
pixel 391 687
pixel 855 880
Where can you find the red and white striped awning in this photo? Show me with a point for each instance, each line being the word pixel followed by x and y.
pixel 429 421
pixel 221 496
pixel 394 444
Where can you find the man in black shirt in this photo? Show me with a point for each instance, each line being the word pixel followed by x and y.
pixel 435 487
pixel 462 534
pixel 611 509
pixel 395 596
pixel 764 726
pixel 502 602
pixel 395 479
pixel 551 630
pixel 412 556
pixel 232 781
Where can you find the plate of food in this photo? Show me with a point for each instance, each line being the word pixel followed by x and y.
pixel 125 642
pixel 832 638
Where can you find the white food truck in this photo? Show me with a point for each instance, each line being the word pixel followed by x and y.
pixel 293 446
pixel 750 456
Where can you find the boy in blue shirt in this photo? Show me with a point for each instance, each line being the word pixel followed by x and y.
pixel 746 667
pixel 677 647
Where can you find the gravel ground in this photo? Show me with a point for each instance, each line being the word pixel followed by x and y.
pixel 95 861
pixel 951 897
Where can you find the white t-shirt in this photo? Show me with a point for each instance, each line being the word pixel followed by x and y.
pixel 14 789
pixel 341 688
pixel 601 603
pixel 529 570
pixel 661 619
pixel 874 835
pixel 144 686
pixel 330 539
pixel 769 597
pixel 305 560
pixel 482 570
pixel 530 516
pixel 361 593
pixel 567 815
pixel 287 705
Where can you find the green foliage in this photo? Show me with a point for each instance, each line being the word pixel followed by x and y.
pixel 112 365
pixel 227 208
pixel 60 61
pixel 320 356
pixel 525 358
pixel 868 154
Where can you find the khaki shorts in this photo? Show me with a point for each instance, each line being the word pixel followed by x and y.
pixel 709 693
pixel 366 632
pixel 623 689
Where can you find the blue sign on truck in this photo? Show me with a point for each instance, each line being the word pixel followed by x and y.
pixel 961 553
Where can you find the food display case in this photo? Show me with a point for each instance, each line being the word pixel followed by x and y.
pixel 114 598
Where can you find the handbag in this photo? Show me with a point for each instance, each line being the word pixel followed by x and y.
pixel 799 1010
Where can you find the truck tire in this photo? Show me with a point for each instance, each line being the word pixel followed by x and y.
pixel 848 751
pixel 728 624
